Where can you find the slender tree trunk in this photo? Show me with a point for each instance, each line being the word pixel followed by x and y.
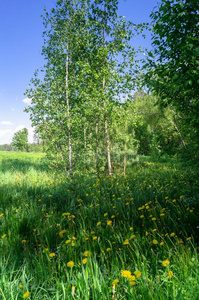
pixel 85 148
pixel 104 112
pixel 124 159
pixel 97 148
pixel 68 116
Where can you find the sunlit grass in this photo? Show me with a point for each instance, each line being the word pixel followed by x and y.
pixel 132 237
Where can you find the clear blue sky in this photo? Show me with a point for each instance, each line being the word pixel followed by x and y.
pixel 20 53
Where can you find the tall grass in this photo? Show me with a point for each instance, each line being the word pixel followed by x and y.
pixel 132 237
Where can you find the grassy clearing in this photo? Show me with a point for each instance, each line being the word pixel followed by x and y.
pixel 108 238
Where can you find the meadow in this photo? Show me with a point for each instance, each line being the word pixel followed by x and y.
pixel 132 237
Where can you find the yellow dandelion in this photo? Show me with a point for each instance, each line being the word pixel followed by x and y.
pixel 125 273
pixel 155 242
pixel 131 278
pixel 20 286
pixel 170 274
pixel 3 236
pixel 126 242
pixel 87 253
pixel 132 283
pixel 109 222
pixel 108 249
pixel 68 241
pixel 23 241
pixel 26 295
pixel 137 273
pixel 70 264
pixel 1 215
pixel 52 254
pixel 165 263
pixel 95 237
pixel 99 223
pixel 132 237
pixel 84 261
pixel 162 243
pixel 172 234
pixel 115 281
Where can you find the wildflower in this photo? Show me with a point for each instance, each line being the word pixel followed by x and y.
pixel 73 244
pixel 132 237
pixel 137 273
pixel 61 233
pixel 131 278
pixel 109 222
pixel 99 223
pixel 65 214
pixel 170 274
pixel 142 216
pixel 189 238
pixel 172 234
pixel 3 236
pixel 106 214
pixel 155 242
pixel 1 215
pixel 68 241
pixel 73 290
pixel 52 254
pixel 153 219
pixel 131 228
pixel 87 253
pixel 108 249
pixel 26 295
pixel 126 242
pixel 162 243
pixel 20 286
pixel 70 264
pixel 125 273
pixel 165 263
pixel 161 215
pixel 95 237
pixel 132 283
pixel 84 261
pixel 23 241
pixel 115 281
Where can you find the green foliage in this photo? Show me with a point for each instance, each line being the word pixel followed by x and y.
pixel 90 64
pixel 20 140
pixel 173 68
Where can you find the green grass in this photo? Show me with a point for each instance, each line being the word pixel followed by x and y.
pixel 132 223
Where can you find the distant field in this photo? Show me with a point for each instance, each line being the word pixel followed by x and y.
pixel 133 237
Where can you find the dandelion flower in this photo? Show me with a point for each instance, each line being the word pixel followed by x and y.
pixel 165 263
pixel 137 273
pixel 132 283
pixel 170 274
pixel 70 264
pixel 155 242
pixel 84 261
pixel 99 223
pixel 52 254
pixel 109 222
pixel 3 236
pixel 126 242
pixel 87 253
pixel 26 295
pixel 115 281
pixel 125 273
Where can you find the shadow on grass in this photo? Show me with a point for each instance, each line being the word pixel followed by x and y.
pixel 19 165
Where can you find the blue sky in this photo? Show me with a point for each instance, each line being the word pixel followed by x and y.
pixel 21 42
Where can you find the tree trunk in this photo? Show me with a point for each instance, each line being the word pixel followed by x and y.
pixel 104 112
pixel 85 150
pixel 68 118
